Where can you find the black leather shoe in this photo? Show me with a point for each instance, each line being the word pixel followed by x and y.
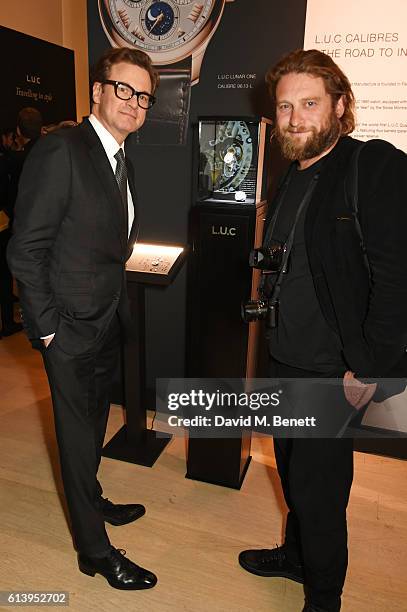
pixel 271 562
pixel 121 573
pixel 121 514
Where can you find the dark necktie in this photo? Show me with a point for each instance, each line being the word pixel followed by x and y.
pixel 121 178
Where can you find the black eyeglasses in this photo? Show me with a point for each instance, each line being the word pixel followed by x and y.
pixel 123 91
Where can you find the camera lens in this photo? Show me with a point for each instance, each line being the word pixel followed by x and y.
pixel 267 258
pixel 254 310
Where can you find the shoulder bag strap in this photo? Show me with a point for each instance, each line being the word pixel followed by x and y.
pixel 352 199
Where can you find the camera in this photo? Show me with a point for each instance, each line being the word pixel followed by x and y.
pixel 263 309
pixel 268 258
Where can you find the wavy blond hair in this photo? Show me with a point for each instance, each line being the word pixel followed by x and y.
pixel 317 64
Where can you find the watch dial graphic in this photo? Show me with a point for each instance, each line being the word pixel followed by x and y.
pixel 132 3
pixel 155 26
pixel 159 19
pixel 228 158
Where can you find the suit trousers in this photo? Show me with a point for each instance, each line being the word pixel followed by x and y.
pixel 80 389
pixel 316 477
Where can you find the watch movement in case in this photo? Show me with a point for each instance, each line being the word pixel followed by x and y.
pixel 228 160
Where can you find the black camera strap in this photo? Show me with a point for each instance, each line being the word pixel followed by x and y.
pixel 351 188
pixel 290 240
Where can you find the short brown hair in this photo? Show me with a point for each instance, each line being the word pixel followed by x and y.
pixel 101 70
pixel 317 64
pixel 29 122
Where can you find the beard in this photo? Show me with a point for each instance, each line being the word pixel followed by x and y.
pixel 316 143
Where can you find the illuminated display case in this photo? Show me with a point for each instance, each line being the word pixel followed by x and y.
pixel 232 160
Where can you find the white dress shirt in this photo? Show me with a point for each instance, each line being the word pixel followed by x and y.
pixel 111 147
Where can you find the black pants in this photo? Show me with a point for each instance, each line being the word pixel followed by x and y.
pixel 80 389
pixel 316 477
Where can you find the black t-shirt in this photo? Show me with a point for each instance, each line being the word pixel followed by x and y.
pixel 303 338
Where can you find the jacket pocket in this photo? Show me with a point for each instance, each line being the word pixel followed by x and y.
pixel 75 282
pixel 74 302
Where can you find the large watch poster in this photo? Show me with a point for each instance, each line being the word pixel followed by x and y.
pixel 212 55
pixel 239 41
pixel 220 51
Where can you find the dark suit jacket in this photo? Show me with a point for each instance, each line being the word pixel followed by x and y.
pixel 15 162
pixel 69 247
pixel 371 320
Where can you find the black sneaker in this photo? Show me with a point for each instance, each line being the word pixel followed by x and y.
pixel 271 562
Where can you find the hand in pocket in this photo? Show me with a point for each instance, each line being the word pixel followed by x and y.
pixel 357 393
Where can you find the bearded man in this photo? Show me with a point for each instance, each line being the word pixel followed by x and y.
pixel 341 311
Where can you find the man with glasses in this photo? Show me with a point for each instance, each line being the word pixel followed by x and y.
pixel 75 227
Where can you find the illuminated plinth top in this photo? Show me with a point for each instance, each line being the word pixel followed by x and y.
pixel 153 258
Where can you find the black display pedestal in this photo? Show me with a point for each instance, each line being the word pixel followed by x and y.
pixel 219 343
pixel 220 461
pixel 135 443
pixel 143 450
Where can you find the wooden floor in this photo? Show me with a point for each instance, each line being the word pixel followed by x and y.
pixel 192 532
